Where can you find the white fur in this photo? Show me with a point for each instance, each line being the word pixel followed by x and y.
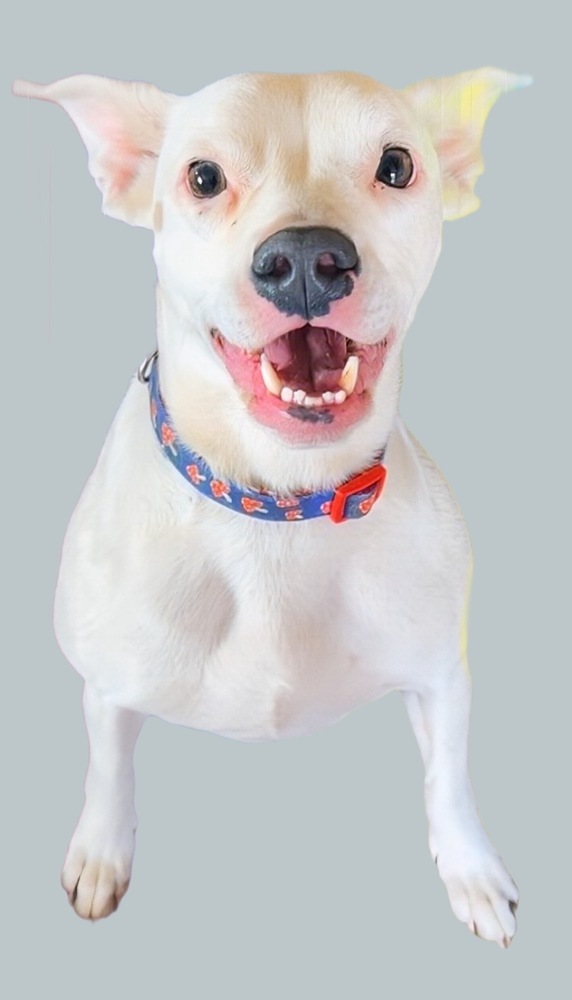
pixel 169 605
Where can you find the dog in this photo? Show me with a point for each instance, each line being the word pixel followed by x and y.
pixel 263 546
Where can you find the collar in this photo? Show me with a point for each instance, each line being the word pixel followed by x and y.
pixel 352 499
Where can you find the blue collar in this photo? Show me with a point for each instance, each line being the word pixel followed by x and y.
pixel 351 500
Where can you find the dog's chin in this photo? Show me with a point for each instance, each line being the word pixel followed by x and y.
pixel 311 385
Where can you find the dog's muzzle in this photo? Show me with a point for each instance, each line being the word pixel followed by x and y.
pixel 301 271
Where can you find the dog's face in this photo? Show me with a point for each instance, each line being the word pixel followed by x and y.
pixel 297 223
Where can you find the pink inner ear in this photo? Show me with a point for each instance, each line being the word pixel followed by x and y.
pixel 120 165
pixel 459 156
pixel 118 156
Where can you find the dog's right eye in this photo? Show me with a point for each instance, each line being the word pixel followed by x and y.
pixel 396 168
pixel 205 179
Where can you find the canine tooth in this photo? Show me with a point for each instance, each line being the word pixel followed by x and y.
pixel 299 396
pixel 269 376
pixel 287 394
pixel 328 397
pixel 350 373
pixel 340 396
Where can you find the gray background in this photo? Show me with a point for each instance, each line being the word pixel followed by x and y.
pixel 298 869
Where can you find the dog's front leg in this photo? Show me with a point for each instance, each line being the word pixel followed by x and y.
pixel 97 868
pixel 481 891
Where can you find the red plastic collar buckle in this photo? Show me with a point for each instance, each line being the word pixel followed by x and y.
pixel 371 477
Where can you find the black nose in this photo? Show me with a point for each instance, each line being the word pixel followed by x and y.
pixel 302 270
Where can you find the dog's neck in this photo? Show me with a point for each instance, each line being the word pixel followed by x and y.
pixel 211 418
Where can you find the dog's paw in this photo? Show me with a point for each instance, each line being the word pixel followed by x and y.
pixel 95 886
pixel 98 863
pixel 481 893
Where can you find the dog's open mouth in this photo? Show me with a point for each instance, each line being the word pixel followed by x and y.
pixel 307 377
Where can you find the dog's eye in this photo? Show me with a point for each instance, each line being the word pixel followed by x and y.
pixel 396 167
pixel 206 179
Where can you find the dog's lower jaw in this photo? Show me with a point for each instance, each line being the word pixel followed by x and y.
pixel 309 386
pixel 239 447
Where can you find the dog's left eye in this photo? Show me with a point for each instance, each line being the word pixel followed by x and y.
pixel 395 168
pixel 206 179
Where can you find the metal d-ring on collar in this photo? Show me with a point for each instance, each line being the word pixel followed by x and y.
pixel 144 370
pixel 351 500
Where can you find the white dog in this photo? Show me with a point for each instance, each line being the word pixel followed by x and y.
pixel 297 222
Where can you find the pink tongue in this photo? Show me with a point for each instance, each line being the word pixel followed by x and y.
pixel 311 358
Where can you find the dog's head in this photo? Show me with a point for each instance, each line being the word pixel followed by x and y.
pixel 297 222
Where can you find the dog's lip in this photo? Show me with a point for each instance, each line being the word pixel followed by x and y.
pixel 222 343
pixel 317 365
pixel 301 417
pixel 217 334
pixel 323 368
pixel 354 346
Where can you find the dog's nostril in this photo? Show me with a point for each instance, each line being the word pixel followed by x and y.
pixel 282 267
pixel 326 266
pixel 270 265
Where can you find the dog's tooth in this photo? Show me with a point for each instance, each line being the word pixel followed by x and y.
pixel 313 401
pixel 328 397
pixel 349 375
pixel 287 394
pixel 340 396
pixel 269 376
pixel 299 396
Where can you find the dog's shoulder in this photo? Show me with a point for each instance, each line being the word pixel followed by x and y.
pixel 423 502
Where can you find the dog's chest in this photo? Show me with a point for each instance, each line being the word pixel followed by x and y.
pixel 290 649
pixel 256 636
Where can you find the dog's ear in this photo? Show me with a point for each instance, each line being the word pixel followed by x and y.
pixel 454 110
pixel 122 125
